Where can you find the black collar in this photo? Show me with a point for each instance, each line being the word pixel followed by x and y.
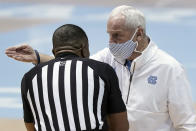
pixel 66 54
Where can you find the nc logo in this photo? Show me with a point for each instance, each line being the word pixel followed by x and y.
pixel 152 80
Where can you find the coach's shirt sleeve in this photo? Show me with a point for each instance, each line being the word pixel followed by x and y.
pixel 28 116
pixel 180 102
pixel 115 101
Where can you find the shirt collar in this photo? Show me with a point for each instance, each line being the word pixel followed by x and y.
pixel 66 54
pixel 119 60
pixel 147 54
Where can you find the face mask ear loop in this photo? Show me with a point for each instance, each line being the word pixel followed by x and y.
pixel 135 42
pixel 134 34
pixel 136 48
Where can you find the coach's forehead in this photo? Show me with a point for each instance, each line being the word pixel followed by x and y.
pixel 116 23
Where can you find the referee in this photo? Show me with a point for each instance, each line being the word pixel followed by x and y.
pixel 71 92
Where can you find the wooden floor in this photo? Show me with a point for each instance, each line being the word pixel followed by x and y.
pixel 12 125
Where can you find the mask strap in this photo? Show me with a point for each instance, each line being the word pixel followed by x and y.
pixel 136 42
pixel 134 34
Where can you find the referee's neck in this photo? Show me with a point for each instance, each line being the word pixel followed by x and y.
pixel 66 54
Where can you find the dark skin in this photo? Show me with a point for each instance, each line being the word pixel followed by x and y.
pixel 114 120
pixel 30 126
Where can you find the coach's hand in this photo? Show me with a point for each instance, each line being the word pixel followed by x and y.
pixel 24 53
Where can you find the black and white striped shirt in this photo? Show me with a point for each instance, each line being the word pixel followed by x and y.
pixel 70 94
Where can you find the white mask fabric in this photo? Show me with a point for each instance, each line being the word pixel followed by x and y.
pixel 123 50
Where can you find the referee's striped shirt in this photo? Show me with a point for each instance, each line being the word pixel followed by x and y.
pixel 70 94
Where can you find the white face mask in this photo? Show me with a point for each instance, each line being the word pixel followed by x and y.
pixel 124 50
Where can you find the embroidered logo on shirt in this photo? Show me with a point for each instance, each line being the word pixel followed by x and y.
pixel 62 63
pixel 152 80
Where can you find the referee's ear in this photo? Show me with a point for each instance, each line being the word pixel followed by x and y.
pixel 85 51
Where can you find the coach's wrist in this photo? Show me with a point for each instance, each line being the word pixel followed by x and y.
pixel 36 58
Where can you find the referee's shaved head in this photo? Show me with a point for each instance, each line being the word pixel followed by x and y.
pixel 70 38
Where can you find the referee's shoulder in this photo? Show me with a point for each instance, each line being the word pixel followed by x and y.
pixel 37 67
pixel 88 60
pixel 96 65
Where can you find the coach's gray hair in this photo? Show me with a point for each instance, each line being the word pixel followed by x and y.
pixel 133 17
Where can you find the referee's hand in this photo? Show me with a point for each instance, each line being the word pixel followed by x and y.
pixel 24 53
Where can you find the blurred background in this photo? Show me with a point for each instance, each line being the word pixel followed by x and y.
pixel 170 23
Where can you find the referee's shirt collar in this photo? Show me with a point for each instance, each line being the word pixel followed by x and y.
pixel 66 54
